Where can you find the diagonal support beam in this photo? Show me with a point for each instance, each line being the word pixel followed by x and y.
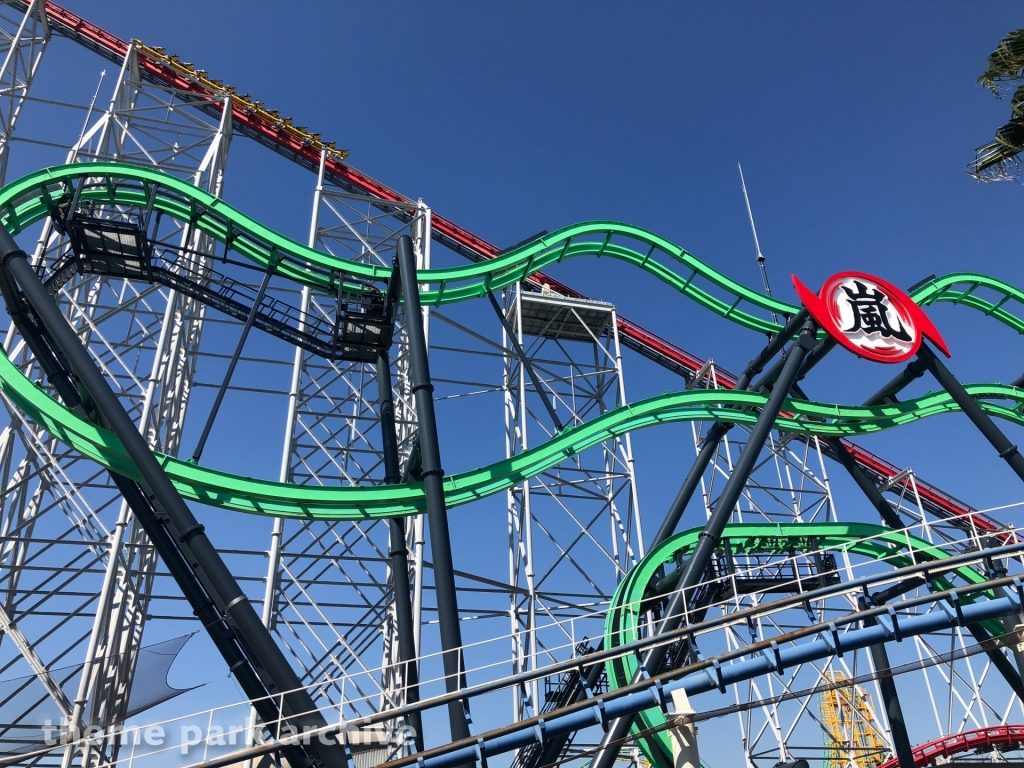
pixel 712 533
pixel 719 430
pixel 890 698
pixel 11 629
pixel 173 517
pixel 525 362
pixel 1007 451
pixel 223 388
pixel 399 552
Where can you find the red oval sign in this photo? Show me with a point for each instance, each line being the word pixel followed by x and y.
pixel 870 317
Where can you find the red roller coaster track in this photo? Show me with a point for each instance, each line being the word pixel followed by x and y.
pixel 259 125
pixel 968 741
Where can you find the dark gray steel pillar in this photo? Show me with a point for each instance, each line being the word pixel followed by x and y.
pixel 712 533
pixel 867 487
pixel 1002 664
pixel 399 554
pixel 1009 453
pixel 1007 450
pixel 891 700
pixel 224 638
pixel 887 394
pixel 189 533
pixel 915 369
pixel 675 512
pixel 719 430
pixel 433 488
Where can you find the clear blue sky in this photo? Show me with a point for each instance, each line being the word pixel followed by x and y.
pixel 853 123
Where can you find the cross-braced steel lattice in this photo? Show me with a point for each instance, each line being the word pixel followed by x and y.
pixel 76 555
pixel 79 582
pixel 329 588
pixel 574 530
pixel 791 484
pixel 23 40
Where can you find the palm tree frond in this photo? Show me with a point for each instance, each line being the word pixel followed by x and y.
pixel 1017 102
pixel 1005 63
pixel 997 160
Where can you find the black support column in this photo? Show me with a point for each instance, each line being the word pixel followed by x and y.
pixel 867 487
pixel 399 553
pixel 712 533
pixel 1007 450
pixel 887 394
pixel 719 430
pixel 433 488
pixel 890 700
pixel 1009 453
pixel 177 519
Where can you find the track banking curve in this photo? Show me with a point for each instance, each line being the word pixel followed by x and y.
pixel 896 548
pixel 40 194
pixel 250 119
pixel 36 195
pixel 1007 736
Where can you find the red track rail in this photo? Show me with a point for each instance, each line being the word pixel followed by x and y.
pixel 258 125
pixel 968 741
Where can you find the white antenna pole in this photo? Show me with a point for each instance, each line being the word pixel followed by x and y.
pixel 757 245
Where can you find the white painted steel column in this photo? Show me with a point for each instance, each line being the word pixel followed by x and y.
pixel 520 518
pixel 21 62
pixel 684 735
pixel 531 585
pixel 417 534
pixel 111 638
pixel 627 441
pixel 284 472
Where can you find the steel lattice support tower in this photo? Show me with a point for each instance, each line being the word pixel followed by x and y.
pixel 574 531
pixel 23 40
pixel 80 583
pixel 147 340
pixel 789 484
pixel 332 437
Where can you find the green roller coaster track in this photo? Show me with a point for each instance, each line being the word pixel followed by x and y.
pixel 897 548
pixel 46 192
pixel 37 195
pixel 245 494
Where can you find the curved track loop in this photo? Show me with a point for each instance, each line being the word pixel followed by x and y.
pixel 38 194
pixel 51 191
pixel 968 741
pixel 896 548
pixel 243 494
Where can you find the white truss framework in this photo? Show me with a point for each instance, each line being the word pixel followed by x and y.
pixel 80 583
pixel 146 340
pixel 574 531
pixel 329 589
pixel 23 39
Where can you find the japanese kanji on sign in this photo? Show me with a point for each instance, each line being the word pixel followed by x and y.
pixel 870 317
